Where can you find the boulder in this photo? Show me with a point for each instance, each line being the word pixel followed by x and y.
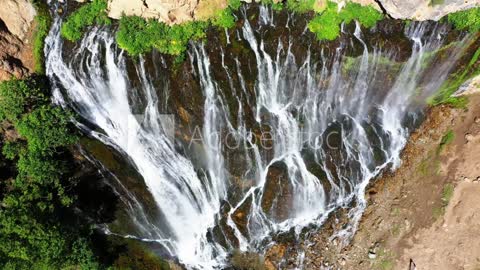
pixel 425 9
pixel 18 16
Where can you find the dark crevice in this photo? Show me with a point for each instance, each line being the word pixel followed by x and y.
pixel 384 10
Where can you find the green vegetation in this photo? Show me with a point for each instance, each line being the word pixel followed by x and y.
pixel 224 19
pixel 466 19
pixel 234 4
pixel 32 233
pixel 444 95
pixel 436 2
pixel 87 15
pixel 385 260
pixel 326 25
pixel 446 139
pixel 43 21
pixel 447 194
pixel 301 6
pixel 137 35
pixel 137 257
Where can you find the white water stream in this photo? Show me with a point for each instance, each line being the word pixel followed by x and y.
pixel 370 127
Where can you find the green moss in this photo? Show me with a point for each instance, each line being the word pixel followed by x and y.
pixel 436 2
pixel 446 140
pixel 32 232
pixel 43 21
pixel 87 15
pixel 326 26
pixel 447 194
pixel 137 257
pixel 301 6
pixel 444 94
pixel 466 19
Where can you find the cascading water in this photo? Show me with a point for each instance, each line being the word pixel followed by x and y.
pixel 327 125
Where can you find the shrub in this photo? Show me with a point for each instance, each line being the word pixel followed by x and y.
pixel 466 19
pixel 87 15
pixel 31 231
pixel 365 15
pixel 137 35
pixel 301 6
pixel 18 95
pixel 234 4
pixel 224 19
pixel 45 129
pixel 326 26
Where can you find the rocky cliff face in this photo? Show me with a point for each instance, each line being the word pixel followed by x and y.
pixel 177 11
pixel 16 29
pixel 425 9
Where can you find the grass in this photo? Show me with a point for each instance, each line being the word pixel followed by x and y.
pixel 137 35
pixel 326 25
pixel 43 21
pixel 89 14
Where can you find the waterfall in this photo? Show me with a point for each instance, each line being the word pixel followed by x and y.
pixel 332 127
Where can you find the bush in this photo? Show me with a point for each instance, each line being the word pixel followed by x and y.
pixel 234 4
pixel 224 19
pixel 18 95
pixel 326 26
pixel 365 15
pixel 32 234
pixel 87 15
pixel 466 20
pixel 137 35
pixel 301 6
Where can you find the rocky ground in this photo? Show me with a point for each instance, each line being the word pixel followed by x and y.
pixel 427 213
